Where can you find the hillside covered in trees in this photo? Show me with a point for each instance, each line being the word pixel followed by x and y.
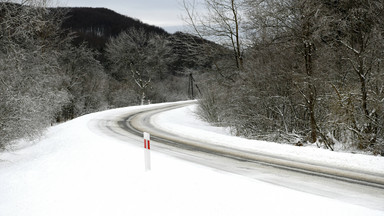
pixel 97 25
pixel 60 63
pixel 306 72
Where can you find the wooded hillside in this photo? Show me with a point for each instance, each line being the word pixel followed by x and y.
pixel 97 25
pixel 60 63
pixel 308 72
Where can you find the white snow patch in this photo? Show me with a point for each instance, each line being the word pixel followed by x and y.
pixel 183 121
pixel 77 170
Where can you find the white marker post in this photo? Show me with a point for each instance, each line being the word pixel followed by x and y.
pixel 147 153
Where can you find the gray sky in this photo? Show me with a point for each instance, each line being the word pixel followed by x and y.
pixel 163 13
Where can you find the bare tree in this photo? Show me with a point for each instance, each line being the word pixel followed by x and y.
pixel 221 22
pixel 87 83
pixel 140 56
pixel 356 29
pixel 293 24
pixel 29 70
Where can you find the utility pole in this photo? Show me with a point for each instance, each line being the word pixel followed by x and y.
pixel 191 92
pixel 190 87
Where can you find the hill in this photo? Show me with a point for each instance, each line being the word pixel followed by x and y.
pixel 97 25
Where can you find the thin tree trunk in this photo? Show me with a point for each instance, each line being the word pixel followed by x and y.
pixel 311 102
pixel 239 59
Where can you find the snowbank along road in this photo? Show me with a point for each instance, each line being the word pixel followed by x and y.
pixel 331 180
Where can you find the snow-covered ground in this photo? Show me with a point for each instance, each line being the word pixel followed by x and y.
pixel 185 121
pixel 76 169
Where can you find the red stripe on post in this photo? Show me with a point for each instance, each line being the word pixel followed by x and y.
pixel 147 139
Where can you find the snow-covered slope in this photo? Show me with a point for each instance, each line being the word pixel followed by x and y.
pixel 76 169
pixel 184 121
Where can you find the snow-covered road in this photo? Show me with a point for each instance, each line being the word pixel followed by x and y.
pixel 90 166
pixel 213 146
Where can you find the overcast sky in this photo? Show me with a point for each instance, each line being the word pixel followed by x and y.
pixel 163 13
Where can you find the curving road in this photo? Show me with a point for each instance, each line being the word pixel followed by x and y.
pixel 365 189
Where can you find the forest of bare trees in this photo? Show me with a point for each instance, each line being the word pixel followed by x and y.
pixel 292 71
pixel 31 86
pixel 52 72
pixel 303 71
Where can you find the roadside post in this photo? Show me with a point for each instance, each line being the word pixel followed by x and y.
pixel 147 153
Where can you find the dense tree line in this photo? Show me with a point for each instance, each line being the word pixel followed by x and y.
pixel 302 71
pixel 57 64
pixel 95 26
pixel 31 86
pixel 297 71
